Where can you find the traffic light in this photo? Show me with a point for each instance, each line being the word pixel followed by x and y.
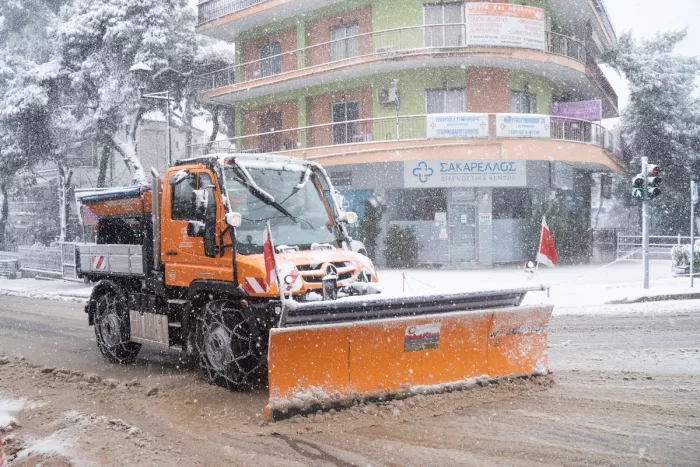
pixel 653 181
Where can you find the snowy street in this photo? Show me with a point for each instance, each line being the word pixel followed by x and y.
pixel 624 391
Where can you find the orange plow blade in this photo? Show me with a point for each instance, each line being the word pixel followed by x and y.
pixel 330 365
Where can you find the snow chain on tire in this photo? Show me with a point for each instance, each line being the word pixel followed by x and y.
pixel 231 346
pixel 112 328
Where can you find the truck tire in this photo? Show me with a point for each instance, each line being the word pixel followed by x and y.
pixel 112 328
pixel 231 346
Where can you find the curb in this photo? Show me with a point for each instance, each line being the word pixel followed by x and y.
pixel 656 298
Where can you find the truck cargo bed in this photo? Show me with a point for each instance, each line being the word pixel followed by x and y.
pixel 111 259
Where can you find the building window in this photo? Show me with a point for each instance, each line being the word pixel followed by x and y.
pixel 418 205
pixel 345 115
pixel 271 59
pixel 445 24
pixel 341 179
pixel 83 154
pixel 522 102
pixel 440 101
pixel 345 42
pixel 512 203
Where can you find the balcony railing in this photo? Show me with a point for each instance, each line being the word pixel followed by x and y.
pixel 388 44
pixel 215 9
pixel 403 128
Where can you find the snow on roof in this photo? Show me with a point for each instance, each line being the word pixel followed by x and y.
pixel 109 194
pixel 258 160
pixel 158 117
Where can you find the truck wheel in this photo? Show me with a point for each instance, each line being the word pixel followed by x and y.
pixel 230 345
pixel 112 329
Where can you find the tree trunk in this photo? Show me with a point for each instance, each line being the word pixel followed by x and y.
pixel 104 165
pixel 4 213
pixel 215 113
pixel 131 159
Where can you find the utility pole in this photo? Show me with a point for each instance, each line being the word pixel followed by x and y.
pixel 645 223
pixel 693 200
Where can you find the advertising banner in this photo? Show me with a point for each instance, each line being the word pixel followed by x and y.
pixel 465 173
pixel 505 25
pixel 457 126
pixel 522 126
pixel 582 110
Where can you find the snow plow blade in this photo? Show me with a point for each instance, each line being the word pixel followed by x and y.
pixel 328 354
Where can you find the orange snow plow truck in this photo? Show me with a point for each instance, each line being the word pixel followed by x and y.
pixel 182 264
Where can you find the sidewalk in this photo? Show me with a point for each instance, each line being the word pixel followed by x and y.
pixel 572 288
pixel 45 289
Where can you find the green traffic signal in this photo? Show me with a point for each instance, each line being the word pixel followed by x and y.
pixel 638 193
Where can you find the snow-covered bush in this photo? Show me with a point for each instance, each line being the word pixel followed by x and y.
pixel 680 254
pixel 402 247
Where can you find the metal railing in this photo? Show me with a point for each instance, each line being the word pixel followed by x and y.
pixel 410 127
pixel 594 71
pixel 40 259
pixel 629 247
pixel 215 9
pixel 387 43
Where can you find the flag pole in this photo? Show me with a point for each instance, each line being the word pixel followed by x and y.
pixel 539 247
pixel 283 299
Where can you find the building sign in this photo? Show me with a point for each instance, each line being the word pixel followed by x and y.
pixel 457 126
pixel 465 173
pixel 485 218
pixel 500 24
pixel 522 126
pixel 582 110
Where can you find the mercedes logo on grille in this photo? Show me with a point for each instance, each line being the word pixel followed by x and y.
pixel 330 269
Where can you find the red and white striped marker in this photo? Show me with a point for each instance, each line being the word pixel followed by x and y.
pixel 98 263
pixel 3 458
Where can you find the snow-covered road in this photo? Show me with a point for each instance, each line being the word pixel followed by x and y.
pixel 624 392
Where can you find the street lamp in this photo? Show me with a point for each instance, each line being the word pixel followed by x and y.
pixel 142 74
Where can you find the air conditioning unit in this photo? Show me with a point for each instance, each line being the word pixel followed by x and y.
pixel 386 96
pixel 385 49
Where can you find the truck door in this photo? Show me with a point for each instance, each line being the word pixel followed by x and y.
pixel 184 256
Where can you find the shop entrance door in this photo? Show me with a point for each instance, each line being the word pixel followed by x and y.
pixel 461 220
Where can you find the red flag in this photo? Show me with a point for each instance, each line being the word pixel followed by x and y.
pixel 269 256
pixel 547 252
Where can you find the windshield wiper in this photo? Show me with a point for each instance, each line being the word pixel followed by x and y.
pixel 247 181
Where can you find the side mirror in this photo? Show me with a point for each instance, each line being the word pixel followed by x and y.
pixel 178 178
pixel 349 217
pixel 201 201
pixel 195 229
pixel 233 219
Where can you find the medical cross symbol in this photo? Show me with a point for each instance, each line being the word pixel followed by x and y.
pixel 423 172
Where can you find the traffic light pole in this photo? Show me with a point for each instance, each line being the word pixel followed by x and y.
pixel 692 233
pixel 645 223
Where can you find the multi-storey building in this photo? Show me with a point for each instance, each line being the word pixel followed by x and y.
pixel 461 116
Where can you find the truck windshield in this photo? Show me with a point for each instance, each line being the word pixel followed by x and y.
pixel 307 222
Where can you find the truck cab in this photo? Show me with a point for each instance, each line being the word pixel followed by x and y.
pixel 294 198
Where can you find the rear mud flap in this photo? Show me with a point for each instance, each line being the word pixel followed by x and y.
pixel 335 364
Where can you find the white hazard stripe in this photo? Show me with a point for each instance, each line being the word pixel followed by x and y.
pixel 99 263
pixel 255 285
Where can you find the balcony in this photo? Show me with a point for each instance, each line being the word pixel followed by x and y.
pixel 225 19
pixel 379 139
pixel 396 49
